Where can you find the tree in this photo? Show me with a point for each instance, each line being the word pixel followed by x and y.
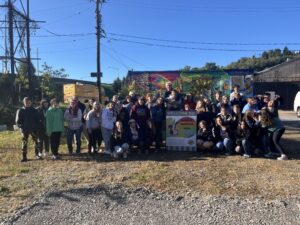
pixel 117 85
pixel 48 88
pixel 22 80
pixel 211 66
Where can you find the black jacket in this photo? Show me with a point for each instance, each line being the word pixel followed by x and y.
pixel 28 119
pixel 204 135
pixel 42 119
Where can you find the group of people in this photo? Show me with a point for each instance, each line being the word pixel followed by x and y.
pixel 229 124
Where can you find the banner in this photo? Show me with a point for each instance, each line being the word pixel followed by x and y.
pixel 181 132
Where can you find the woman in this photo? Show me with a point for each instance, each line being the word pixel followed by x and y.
pixel 202 114
pixel 93 122
pixel 276 130
pixel 221 136
pixel 54 126
pixel 204 137
pixel 73 116
pixel 108 119
pixel 118 141
pixel 243 139
pixel 134 135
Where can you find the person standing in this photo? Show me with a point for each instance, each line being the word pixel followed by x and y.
pixel 108 119
pixel 73 116
pixel 42 134
pixel 27 121
pixel 93 123
pixel 54 126
pixel 141 114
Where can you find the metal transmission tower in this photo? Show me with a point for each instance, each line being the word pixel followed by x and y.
pixel 17 29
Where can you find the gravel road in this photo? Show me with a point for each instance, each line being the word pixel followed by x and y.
pixel 116 205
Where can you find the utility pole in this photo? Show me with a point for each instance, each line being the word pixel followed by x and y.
pixel 98 33
pixel 19 26
pixel 29 69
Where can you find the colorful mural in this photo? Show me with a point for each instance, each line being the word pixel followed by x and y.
pixel 201 83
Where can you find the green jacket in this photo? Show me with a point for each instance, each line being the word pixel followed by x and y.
pixel 54 120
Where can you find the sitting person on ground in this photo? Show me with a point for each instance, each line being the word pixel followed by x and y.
pixel 221 135
pixel 243 139
pixel 204 137
pixel 134 136
pixel 118 142
pixel 225 116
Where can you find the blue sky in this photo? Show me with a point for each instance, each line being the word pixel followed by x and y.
pixel 201 21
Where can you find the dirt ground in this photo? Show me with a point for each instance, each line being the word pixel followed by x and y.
pixel 178 173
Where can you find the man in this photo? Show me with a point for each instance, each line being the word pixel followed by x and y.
pixel 236 90
pixel 42 135
pixel 168 90
pixel 27 121
pixel 250 106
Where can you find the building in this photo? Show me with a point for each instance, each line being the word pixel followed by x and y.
pixel 282 79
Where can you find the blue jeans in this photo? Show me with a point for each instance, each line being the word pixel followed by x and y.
pixel 70 135
pixel 246 146
pixel 227 143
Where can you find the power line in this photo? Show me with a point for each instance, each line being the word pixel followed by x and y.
pixel 202 43
pixel 131 59
pixel 205 9
pixel 186 47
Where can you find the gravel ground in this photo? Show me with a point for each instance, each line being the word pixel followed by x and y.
pixel 117 205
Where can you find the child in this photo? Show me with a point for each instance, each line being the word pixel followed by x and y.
pixel 118 143
pixel 243 139
pixel 204 137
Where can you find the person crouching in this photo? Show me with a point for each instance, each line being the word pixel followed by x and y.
pixel 118 143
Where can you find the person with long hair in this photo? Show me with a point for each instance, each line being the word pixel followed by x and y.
pixel 221 135
pixel 108 118
pixel 204 136
pixel 93 125
pixel 276 130
pixel 118 142
pixel 73 116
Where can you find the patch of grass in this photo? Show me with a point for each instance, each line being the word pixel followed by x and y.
pixel 4 190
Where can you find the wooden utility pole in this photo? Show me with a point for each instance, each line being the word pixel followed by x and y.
pixel 98 29
pixel 29 69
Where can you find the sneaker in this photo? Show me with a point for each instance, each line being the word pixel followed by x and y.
pixel 45 154
pixel 40 154
pixel 24 159
pixel 269 155
pixel 54 157
pixel 246 156
pixel 282 157
pixel 38 157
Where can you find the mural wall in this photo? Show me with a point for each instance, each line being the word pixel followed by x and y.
pixel 201 83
